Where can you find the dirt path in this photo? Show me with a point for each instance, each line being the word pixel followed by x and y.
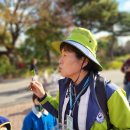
pixel 16 114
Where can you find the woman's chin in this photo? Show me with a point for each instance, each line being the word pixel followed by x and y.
pixel 62 73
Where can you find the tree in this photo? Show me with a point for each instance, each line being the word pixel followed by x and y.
pixel 103 15
pixel 40 19
pixel 127 48
pixel 106 49
pixel 50 27
pixel 16 17
pixel 98 15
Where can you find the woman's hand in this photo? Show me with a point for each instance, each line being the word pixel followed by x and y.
pixel 37 88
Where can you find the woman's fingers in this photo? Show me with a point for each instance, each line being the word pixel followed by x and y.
pixel 37 88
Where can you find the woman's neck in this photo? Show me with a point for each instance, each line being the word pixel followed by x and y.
pixel 77 78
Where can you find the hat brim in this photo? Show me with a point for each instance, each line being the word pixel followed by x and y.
pixel 7 125
pixel 84 50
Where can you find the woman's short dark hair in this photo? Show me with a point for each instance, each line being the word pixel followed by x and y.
pixel 67 47
pixel 70 48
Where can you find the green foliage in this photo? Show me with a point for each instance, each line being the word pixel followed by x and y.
pixel 124 21
pixel 123 57
pixel 5 67
pixel 115 65
pixel 99 14
pixel 102 48
pixel 39 39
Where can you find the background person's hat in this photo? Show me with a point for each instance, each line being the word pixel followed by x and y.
pixel 83 40
pixel 5 122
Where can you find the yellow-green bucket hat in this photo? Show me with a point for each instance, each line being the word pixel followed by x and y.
pixel 83 40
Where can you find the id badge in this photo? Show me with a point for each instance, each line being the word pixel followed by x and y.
pixel 69 122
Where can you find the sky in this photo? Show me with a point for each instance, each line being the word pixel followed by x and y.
pixel 124 5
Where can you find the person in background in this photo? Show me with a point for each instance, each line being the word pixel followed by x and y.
pixel 76 104
pixel 126 70
pixel 4 123
pixel 33 66
pixel 38 118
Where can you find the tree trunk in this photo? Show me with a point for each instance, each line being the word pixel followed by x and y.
pixel 48 57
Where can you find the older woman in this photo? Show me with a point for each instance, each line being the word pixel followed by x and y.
pixel 76 103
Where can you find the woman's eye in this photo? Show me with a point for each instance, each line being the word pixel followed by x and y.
pixel 63 55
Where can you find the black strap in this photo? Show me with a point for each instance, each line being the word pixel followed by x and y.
pixel 102 98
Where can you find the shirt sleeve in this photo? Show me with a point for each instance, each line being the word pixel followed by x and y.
pixel 119 110
pixel 51 104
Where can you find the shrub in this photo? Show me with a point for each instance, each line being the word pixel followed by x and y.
pixel 6 68
pixel 115 65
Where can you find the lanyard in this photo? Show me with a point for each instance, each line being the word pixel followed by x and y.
pixel 77 97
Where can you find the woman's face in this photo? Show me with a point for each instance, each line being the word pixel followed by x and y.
pixel 69 64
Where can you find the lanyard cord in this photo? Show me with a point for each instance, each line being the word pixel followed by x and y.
pixel 78 96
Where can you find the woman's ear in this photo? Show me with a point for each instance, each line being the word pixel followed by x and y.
pixel 85 62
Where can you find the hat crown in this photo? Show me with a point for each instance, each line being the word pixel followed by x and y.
pixel 84 37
